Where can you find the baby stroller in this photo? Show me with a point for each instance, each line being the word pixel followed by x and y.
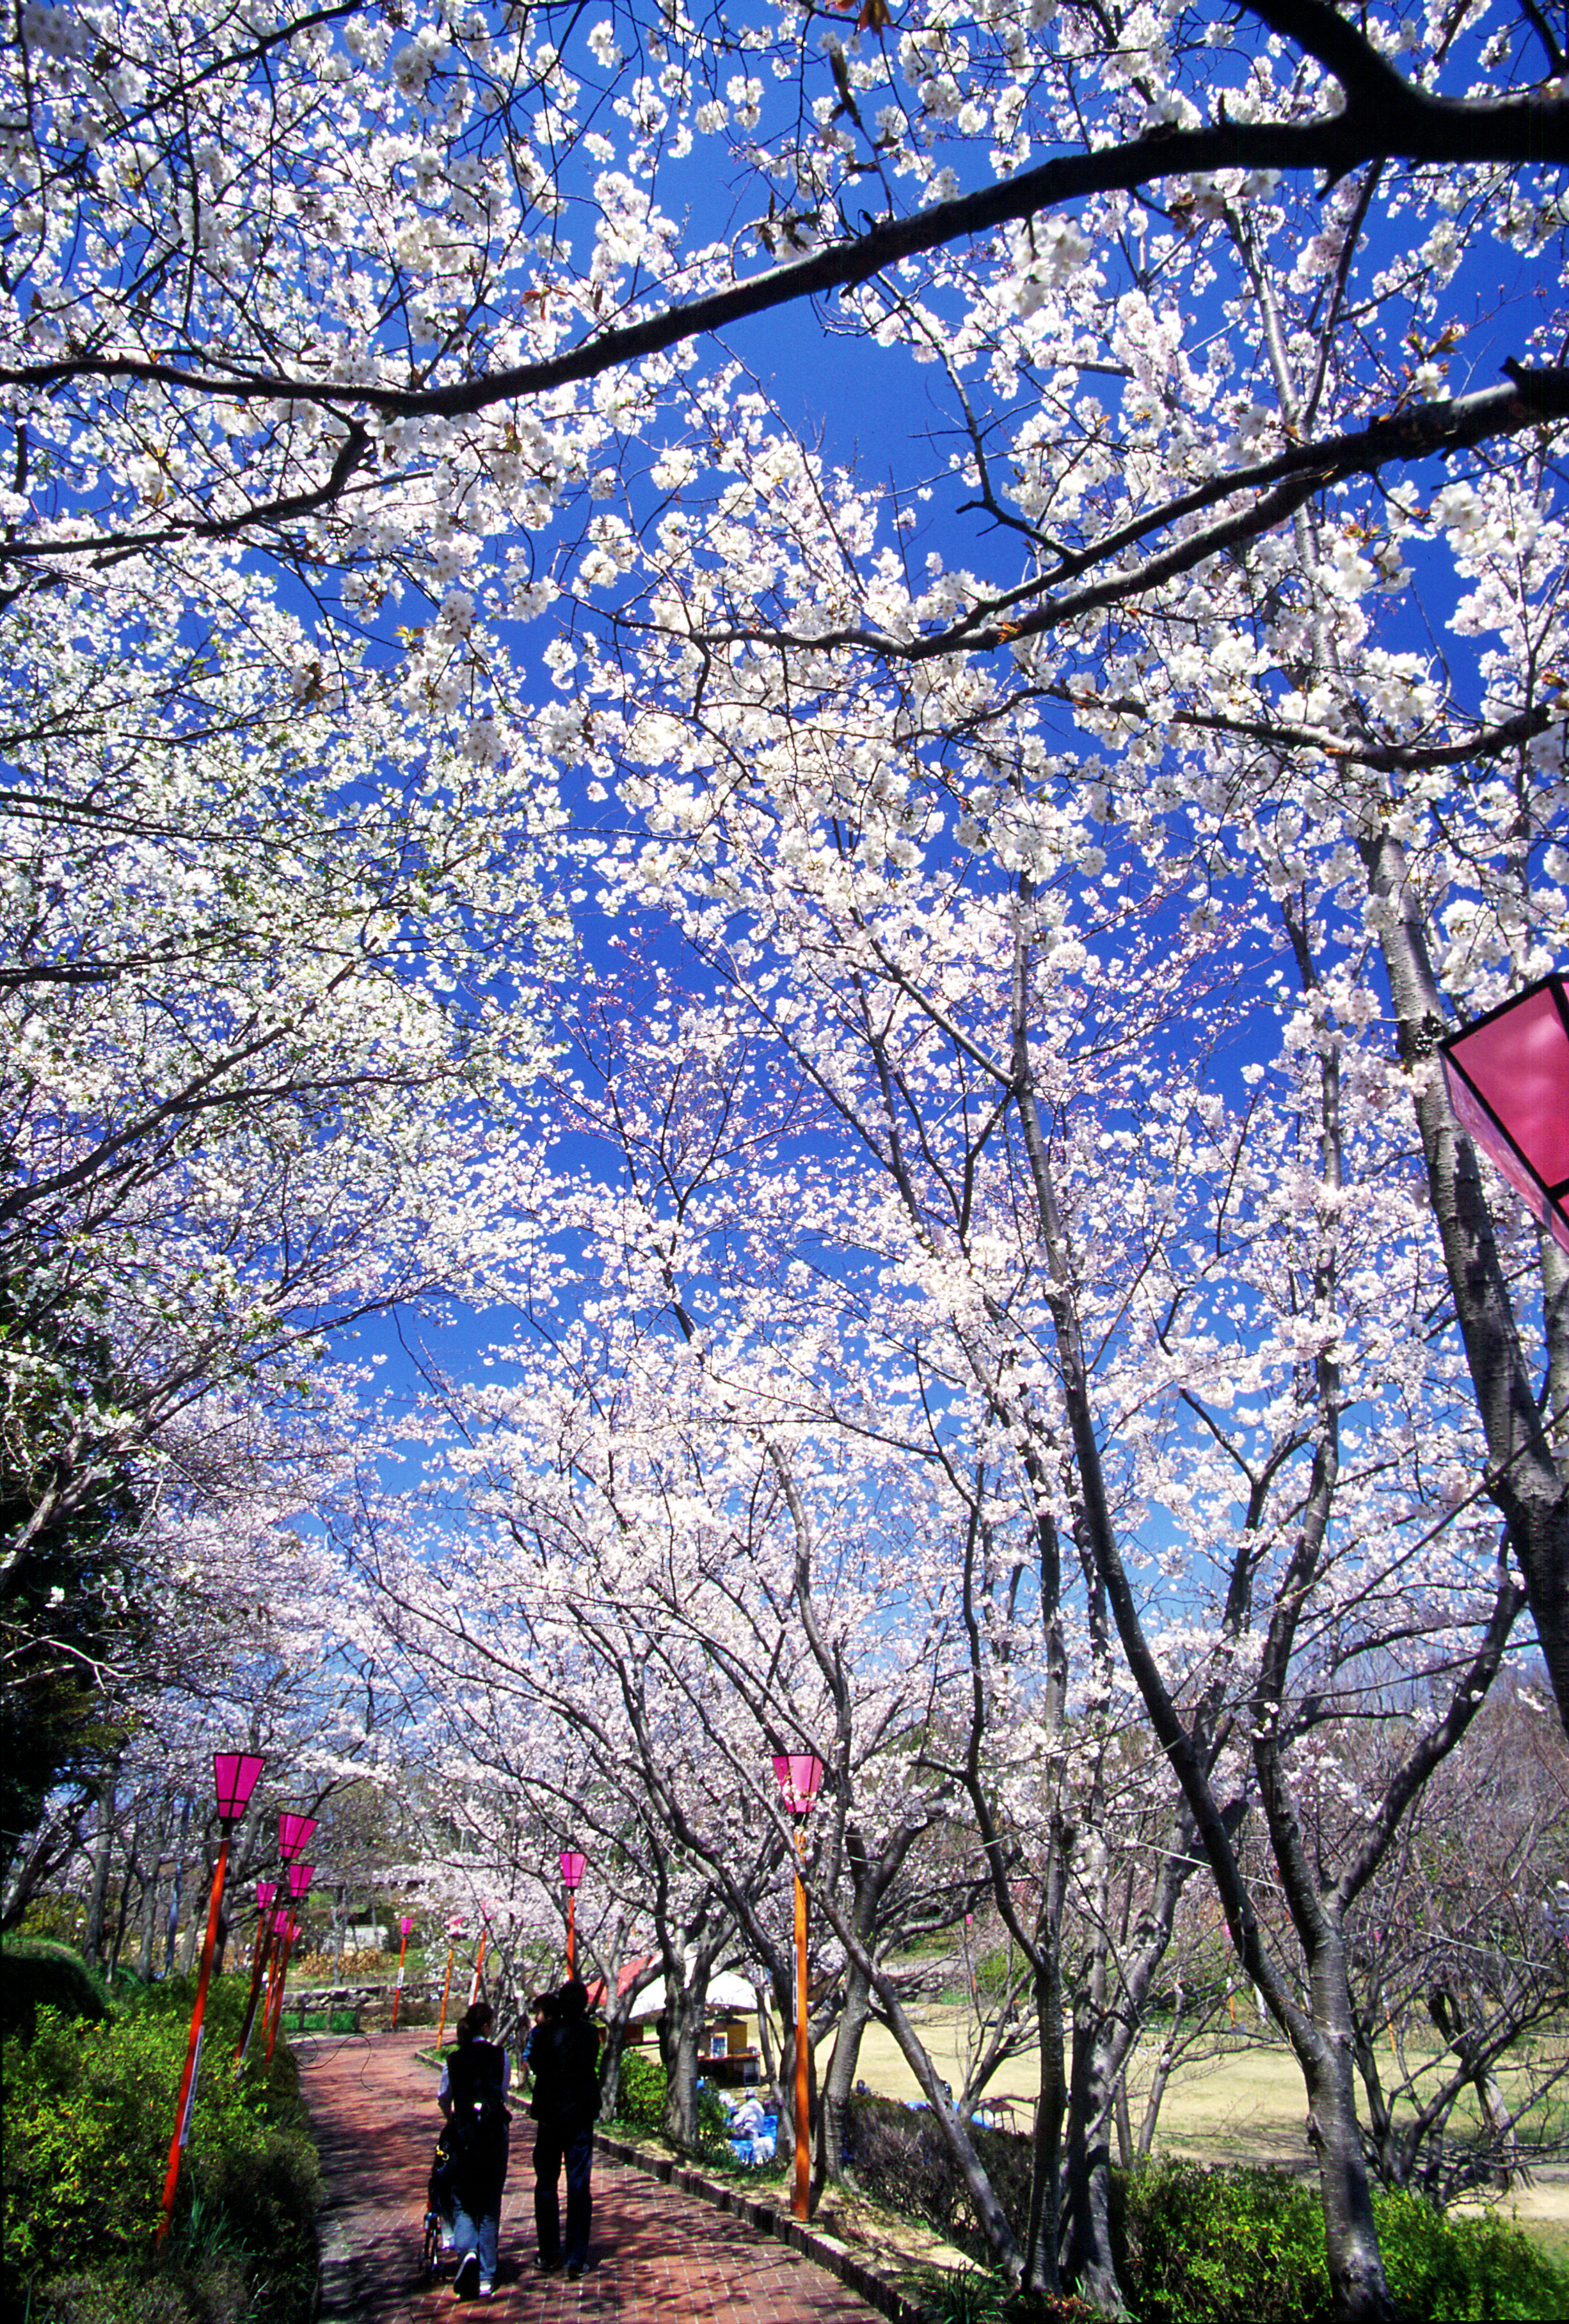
pixel 439 2212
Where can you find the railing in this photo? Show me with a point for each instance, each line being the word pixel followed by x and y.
pixel 310 2000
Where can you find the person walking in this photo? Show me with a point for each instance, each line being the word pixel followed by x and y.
pixel 565 2058
pixel 472 2097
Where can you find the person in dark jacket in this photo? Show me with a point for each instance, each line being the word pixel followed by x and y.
pixel 565 2059
pixel 472 2097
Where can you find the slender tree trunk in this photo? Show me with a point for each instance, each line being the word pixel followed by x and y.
pixel 54 1842
pixel 102 1859
pixel 196 1925
pixel 1523 1476
pixel 1107 2020
pixel 1450 2019
pixel 149 1918
pixel 176 1883
pixel 122 1915
pixel 765 2047
pixel 1158 2082
pixel 1093 2077
pixel 1124 2122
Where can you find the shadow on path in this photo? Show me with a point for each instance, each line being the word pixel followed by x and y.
pixel 655 2253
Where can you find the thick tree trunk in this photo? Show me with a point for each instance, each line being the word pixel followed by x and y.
pixel 840 2077
pixel 617 2025
pixel 785 2148
pixel 684 2004
pixel 1096 2079
pixel 1042 2235
pixel 1356 2268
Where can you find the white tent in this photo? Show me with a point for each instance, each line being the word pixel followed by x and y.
pixel 726 1991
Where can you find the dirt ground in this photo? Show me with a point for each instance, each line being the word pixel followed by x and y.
pixel 1247 2106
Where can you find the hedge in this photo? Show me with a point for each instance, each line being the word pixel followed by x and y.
pixel 1218 2246
pixel 89 2109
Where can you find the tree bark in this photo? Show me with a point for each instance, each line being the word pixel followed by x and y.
pixel 1041 2265
pixel 1356 2267
pixel 149 1918
pixel 103 1855
pixel 840 2077
pixel 1523 1478
pixel 686 1997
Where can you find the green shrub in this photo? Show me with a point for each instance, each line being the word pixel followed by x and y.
pixel 1247 2247
pixel 641 2102
pixel 214 2295
pixel 899 2156
pixel 1443 2269
pixel 89 2110
pixel 712 2123
pixel 1225 2247
pixel 321 2021
pixel 35 1974
pixel 974 2295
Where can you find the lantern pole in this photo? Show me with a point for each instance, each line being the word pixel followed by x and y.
pixel 235 1778
pixel 574 1864
pixel 299 1879
pixel 800 1777
pixel 266 1892
pixel 405 1925
pixel 293 1831
pixel 803 2193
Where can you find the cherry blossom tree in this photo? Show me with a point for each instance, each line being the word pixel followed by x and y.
pixel 1085 811
pixel 370 290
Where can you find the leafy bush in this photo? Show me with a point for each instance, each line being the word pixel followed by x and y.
pixel 641 2102
pixel 35 1974
pixel 1225 2247
pixel 1200 2246
pixel 712 2123
pixel 900 2157
pixel 973 2295
pixel 89 2109
pixel 1247 2247
pixel 321 2021
pixel 1443 2268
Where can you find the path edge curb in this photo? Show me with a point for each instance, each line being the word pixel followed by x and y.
pixel 877 2290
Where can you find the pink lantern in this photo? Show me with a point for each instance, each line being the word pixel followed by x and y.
pixel 300 1876
pixel 293 1831
pixel 456 1926
pixel 574 1864
pixel 1508 1078
pixel 266 1892
pixel 234 1775
pixel 405 1926
pixel 800 1778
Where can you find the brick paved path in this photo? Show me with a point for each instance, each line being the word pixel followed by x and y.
pixel 655 2255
